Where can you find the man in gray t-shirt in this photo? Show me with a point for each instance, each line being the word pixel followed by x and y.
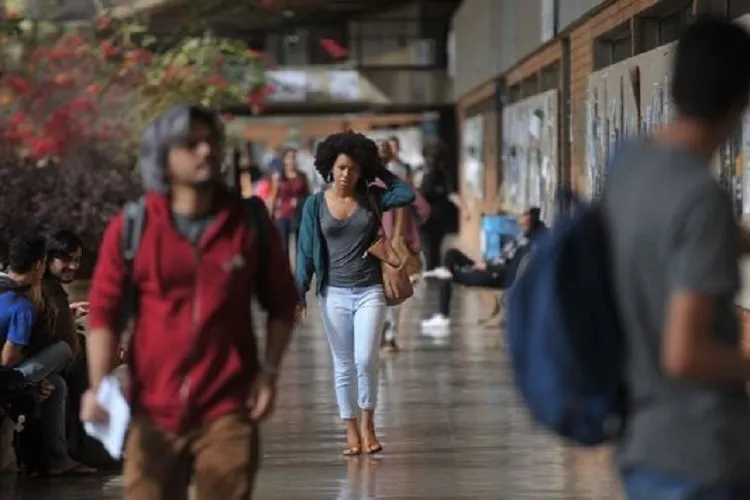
pixel 672 229
pixel 675 247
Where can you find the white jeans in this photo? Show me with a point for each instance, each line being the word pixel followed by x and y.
pixel 353 322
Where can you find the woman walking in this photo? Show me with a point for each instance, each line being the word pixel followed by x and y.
pixel 289 191
pixel 338 226
pixel 400 224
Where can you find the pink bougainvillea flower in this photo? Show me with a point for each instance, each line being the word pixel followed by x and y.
pixel 109 49
pixel 216 81
pixel 73 40
pixel 17 118
pixel 19 85
pixel 41 147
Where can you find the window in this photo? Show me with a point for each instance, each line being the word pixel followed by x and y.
pixel 530 85
pixel 394 42
pixel 514 93
pixel 614 46
pixel 550 77
pixel 663 23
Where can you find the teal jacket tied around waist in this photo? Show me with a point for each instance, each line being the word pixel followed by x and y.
pixel 312 253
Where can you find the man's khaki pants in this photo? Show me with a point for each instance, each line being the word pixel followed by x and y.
pixel 221 458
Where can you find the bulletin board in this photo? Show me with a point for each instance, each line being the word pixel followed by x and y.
pixel 531 154
pixel 623 101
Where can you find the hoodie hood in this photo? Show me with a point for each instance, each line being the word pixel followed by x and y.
pixel 7 283
pixel 168 130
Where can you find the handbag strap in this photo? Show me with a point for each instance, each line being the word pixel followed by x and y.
pixel 375 208
pixel 398 224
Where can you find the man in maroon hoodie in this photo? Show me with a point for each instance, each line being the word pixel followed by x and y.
pixel 197 387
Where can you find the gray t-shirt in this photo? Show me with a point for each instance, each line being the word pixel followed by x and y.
pixel 192 227
pixel 347 241
pixel 672 228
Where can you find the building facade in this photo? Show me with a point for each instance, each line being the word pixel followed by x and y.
pixel 572 78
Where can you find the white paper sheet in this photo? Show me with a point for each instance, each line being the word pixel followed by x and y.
pixel 112 433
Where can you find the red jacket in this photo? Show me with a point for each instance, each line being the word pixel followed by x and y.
pixel 193 347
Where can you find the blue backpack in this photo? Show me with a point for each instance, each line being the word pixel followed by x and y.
pixel 565 340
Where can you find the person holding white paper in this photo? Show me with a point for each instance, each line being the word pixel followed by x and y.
pixel 197 389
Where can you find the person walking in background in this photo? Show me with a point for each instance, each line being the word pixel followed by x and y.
pixel 289 190
pixel 674 246
pixel 198 390
pixel 392 162
pixel 394 144
pixel 306 163
pixel 400 223
pixel 338 227
pixel 440 192
pixel 271 162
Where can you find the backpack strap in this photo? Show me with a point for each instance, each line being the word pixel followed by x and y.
pixel 258 219
pixel 133 223
pixel 134 220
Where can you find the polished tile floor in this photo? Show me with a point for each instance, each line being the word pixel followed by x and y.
pixel 450 422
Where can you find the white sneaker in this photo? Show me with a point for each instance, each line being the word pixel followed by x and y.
pixel 436 321
pixel 441 273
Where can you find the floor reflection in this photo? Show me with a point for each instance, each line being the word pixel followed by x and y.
pixel 451 425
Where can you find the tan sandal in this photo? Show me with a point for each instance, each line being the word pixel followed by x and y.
pixel 352 450
pixel 373 447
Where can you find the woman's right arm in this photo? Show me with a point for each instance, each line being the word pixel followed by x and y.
pixel 305 238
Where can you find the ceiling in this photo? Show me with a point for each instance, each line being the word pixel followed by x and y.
pixel 235 17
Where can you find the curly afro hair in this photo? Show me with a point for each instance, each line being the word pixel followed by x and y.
pixel 354 145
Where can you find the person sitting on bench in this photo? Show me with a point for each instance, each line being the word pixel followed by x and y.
pixel 498 274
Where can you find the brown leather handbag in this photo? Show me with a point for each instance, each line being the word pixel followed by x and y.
pixel 412 260
pixel 397 286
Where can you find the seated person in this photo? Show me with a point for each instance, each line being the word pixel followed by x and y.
pixel 57 321
pixel 19 291
pixel 499 274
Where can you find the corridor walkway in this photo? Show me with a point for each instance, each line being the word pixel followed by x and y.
pixel 451 425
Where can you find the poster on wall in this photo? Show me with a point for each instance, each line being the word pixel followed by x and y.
pixel 530 154
pixel 744 165
pixel 472 153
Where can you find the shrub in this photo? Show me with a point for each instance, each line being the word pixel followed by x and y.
pixel 73 101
